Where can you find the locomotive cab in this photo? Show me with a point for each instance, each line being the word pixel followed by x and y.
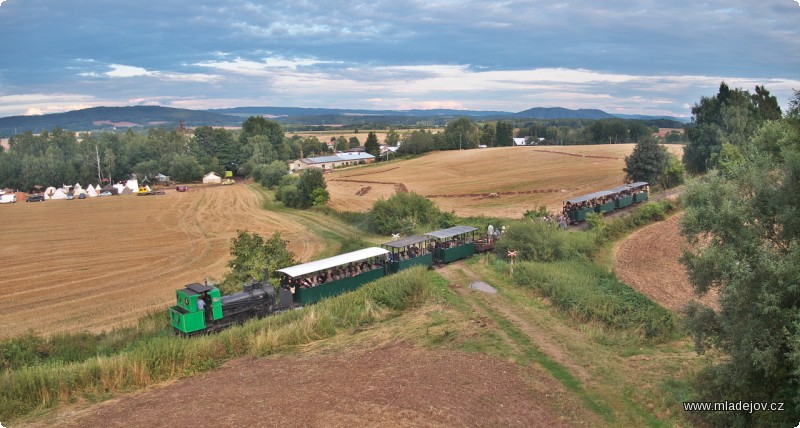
pixel 185 316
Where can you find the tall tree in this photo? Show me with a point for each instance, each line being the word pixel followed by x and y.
pixel 462 133
pixel 504 134
pixel 488 135
pixel 372 146
pixel 746 234
pixel 729 117
pixel 647 162
pixel 392 137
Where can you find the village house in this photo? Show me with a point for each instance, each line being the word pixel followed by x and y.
pixel 327 163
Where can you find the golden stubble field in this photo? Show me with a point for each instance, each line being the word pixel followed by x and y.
pixel 522 177
pixel 103 262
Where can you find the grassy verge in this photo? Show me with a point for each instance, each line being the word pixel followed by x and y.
pixel 590 293
pixel 156 357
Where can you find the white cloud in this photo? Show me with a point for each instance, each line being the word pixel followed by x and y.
pixel 119 70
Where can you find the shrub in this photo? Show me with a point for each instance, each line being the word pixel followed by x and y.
pixel 544 241
pixel 404 212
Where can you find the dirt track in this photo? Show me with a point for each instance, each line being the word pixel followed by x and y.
pixel 648 260
pixel 395 386
pixel 103 262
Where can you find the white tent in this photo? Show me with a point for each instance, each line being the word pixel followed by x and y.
pixel 120 188
pixel 212 177
pixel 50 191
pixel 59 194
pixel 133 185
pixel 97 188
pixel 77 189
pixel 90 192
pixel 147 186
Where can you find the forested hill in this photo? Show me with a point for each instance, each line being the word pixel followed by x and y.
pixel 110 117
pixel 148 116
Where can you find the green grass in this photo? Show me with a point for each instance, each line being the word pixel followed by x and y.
pixel 590 293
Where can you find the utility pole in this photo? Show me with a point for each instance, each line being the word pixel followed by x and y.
pixel 99 175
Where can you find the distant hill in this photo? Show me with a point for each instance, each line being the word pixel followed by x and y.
pixel 98 118
pixel 115 117
pixel 562 113
pixel 279 112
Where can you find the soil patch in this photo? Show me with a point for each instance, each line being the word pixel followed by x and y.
pixel 397 385
pixel 648 261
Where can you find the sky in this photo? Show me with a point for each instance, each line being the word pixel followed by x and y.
pixel 629 57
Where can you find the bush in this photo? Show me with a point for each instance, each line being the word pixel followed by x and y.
pixel 304 191
pixel 270 175
pixel 544 242
pixel 405 212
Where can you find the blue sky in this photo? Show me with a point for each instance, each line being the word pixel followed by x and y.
pixel 620 56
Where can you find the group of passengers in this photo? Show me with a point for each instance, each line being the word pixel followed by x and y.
pixel 330 275
pixel 409 253
pixel 455 241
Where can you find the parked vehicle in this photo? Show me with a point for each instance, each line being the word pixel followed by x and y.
pixel 106 193
pixel 35 198
pixel 8 198
pixel 82 196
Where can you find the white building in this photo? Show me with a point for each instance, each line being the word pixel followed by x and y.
pixel 327 163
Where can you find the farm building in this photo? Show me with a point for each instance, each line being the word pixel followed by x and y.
pixel 212 178
pixel 330 162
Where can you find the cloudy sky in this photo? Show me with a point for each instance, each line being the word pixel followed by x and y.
pixel 649 57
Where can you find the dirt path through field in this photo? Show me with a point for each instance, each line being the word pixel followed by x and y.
pixel 648 261
pixel 545 340
pixel 103 262
pixel 399 385
pixel 549 341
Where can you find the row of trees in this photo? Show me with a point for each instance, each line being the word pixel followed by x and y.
pixel 59 157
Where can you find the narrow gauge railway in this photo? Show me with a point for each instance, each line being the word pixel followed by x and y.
pixel 201 309
pixel 605 201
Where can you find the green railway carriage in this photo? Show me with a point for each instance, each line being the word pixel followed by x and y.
pixel 314 281
pixel 640 191
pixel 605 201
pixel 624 196
pixel 453 244
pixel 588 204
pixel 410 251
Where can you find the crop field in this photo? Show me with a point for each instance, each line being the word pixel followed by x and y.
pixel 505 181
pixel 104 262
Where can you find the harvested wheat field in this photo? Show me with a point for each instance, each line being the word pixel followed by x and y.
pixel 648 261
pixel 504 181
pixel 99 263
